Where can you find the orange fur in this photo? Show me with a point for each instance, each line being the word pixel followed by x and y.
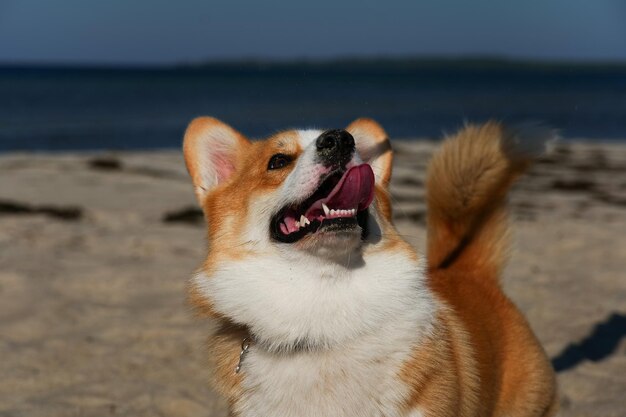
pixel 442 373
pixel 225 346
pixel 486 334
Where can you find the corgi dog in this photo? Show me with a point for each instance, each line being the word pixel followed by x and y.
pixel 323 309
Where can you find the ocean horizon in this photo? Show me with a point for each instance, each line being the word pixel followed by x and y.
pixel 60 107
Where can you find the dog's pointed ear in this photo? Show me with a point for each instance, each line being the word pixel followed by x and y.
pixel 211 150
pixel 372 144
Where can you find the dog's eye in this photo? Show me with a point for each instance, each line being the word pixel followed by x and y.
pixel 278 161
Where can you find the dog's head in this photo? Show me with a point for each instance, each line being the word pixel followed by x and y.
pixel 301 247
pixel 306 190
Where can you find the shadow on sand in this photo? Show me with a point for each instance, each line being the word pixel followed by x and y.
pixel 600 344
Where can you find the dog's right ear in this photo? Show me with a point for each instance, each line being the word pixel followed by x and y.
pixel 211 149
pixel 372 144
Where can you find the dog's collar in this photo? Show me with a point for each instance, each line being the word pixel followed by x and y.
pixel 249 340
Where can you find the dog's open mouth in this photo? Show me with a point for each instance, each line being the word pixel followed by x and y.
pixel 339 203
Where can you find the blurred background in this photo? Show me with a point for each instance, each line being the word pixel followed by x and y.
pixel 99 228
pixel 130 74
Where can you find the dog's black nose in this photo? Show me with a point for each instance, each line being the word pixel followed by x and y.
pixel 335 147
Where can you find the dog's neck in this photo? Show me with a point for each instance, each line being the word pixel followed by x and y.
pixel 249 342
pixel 287 305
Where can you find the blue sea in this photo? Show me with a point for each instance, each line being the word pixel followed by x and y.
pixel 82 108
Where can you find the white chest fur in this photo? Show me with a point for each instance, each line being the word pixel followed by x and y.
pixel 362 320
pixel 358 379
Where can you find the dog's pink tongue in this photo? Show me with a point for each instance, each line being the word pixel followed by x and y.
pixel 355 191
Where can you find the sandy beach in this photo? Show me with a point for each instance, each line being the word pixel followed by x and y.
pixel 96 248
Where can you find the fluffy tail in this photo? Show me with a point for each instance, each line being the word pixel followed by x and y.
pixel 467 183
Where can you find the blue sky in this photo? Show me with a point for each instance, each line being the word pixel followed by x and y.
pixel 159 31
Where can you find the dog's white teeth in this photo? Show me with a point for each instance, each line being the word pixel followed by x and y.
pixel 336 212
pixel 297 225
pixel 304 221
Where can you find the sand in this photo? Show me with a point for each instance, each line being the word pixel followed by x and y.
pixel 95 250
